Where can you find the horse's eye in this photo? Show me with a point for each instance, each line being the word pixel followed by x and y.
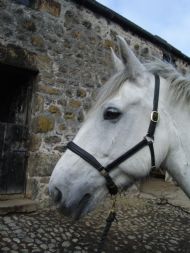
pixel 112 113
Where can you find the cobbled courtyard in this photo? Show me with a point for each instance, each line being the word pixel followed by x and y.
pixel 144 225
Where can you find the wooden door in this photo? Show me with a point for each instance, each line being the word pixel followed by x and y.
pixel 13 158
pixel 15 104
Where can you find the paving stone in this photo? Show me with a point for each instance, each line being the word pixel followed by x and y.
pixel 66 244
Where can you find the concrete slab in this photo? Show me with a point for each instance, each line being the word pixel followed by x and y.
pixel 165 191
pixel 17 205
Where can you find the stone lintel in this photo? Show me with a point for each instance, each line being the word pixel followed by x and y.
pixel 18 57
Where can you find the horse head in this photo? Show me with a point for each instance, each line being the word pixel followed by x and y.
pixel 116 123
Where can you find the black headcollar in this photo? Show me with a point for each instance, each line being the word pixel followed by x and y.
pixel 147 140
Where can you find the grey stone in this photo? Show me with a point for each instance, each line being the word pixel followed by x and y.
pixel 28 240
pixel 42 164
pixel 52 139
pixel 66 244
pixel 43 246
pixel 7 239
pixel 148 247
pixel 17 240
pixel 71 18
pixel 6 17
pixel 5 249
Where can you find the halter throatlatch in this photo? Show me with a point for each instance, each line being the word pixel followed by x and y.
pixel 148 140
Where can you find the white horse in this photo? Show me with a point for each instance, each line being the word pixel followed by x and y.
pixel 118 121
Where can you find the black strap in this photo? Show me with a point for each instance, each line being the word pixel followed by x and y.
pixel 156 92
pixel 85 155
pixel 131 152
pixel 113 190
pixel 154 114
pixel 152 155
pixel 126 155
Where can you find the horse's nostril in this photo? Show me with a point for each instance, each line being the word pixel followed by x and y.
pixel 57 195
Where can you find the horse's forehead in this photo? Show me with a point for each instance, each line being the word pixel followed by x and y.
pixel 131 92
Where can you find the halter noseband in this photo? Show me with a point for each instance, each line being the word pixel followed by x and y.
pixel 147 141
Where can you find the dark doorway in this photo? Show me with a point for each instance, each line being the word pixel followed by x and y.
pixel 15 100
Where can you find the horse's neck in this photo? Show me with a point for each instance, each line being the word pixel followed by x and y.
pixel 178 161
pixel 177 115
pixel 180 117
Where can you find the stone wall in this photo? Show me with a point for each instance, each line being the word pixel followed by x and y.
pixel 71 45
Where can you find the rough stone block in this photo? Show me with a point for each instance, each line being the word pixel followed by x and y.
pixel 32 188
pixel 44 180
pixel 43 62
pixel 75 103
pixel 71 18
pixel 50 6
pixel 37 41
pixel 17 56
pixel 109 43
pixel 69 116
pixel 87 24
pixel 41 164
pixel 54 109
pixel 61 149
pixel 49 90
pixel 29 25
pixel 62 127
pixel 81 93
pixel 43 124
pixel 38 103
pixel 52 139
pixel 35 142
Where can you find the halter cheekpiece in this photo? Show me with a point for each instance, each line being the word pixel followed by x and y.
pixel 148 140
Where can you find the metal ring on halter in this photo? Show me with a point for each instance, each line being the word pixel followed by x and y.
pixel 154 116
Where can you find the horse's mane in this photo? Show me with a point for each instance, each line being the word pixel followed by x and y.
pixel 111 87
pixel 179 84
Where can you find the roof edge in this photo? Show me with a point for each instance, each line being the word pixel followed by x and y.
pixel 129 25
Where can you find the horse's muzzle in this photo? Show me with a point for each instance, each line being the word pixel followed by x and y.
pixel 75 210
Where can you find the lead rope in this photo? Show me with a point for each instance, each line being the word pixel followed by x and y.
pixel 110 219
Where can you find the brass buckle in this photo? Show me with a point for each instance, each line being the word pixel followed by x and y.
pixel 154 116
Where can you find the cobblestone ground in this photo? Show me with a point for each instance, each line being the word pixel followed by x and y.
pixel 144 225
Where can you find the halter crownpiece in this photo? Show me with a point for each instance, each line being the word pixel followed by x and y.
pixel 147 140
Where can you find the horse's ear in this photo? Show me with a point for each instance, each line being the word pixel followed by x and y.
pixel 118 64
pixel 132 64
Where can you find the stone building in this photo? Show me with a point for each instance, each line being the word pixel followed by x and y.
pixel 54 56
